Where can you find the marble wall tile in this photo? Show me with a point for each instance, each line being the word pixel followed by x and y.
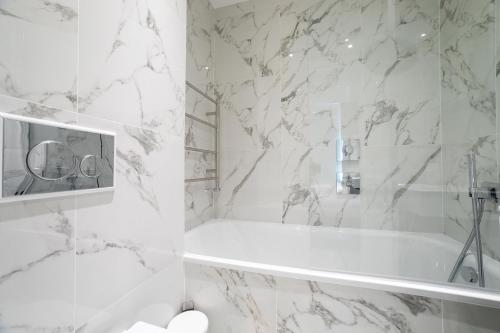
pixel 318 25
pixel 347 70
pixel 295 147
pixel 250 114
pixel 248 82
pixel 235 301
pixel 132 62
pixel 199 203
pixel 306 306
pixel 318 106
pixel 249 185
pixel 317 62
pixel 24 108
pixel 468 112
pixel 124 244
pixel 38 55
pixel 37 242
pixel 38 239
pixel 468 70
pixel 128 72
pixel 309 144
pixel 397 183
pixel 156 300
pixel 179 9
pixel 464 318
pixel 497 74
pixel 309 173
pixel 401 100
pixel 200 64
pixel 127 246
pixel 248 42
pixel 245 7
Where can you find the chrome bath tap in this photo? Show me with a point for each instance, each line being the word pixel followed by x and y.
pixel 479 195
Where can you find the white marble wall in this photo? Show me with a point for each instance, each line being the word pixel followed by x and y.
pixel 295 76
pixel 248 79
pixel 413 80
pixel 200 71
pixel 242 302
pixel 469 114
pixel 96 263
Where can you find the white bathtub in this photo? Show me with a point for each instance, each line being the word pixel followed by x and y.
pixel 414 263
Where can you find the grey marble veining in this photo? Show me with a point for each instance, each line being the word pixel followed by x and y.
pixel 468 60
pixel 252 37
pixel 250 118
pixel 100 262
pixel 401 60
pixel 414 80
pixel 236 301
pixel 24 108
pixel 131 59
pixel 200 45
pixel 347 69
pixel 468 69
pixel 129 245
pixel 305 306
pixel 248 185
pixel 37 240
pixel 38 60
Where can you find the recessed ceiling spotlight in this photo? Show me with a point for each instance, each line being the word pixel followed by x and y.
pixel 346 40
pixel 350 46
pixel 291 55
pixel 423 35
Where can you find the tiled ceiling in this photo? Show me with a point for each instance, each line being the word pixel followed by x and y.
pixel 224 3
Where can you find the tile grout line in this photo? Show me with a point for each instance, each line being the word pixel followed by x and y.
pixel 442 315
pixel 441 131
pixel 75 281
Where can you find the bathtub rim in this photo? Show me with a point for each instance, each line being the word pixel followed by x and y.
pixel 403 286
pixel 443 291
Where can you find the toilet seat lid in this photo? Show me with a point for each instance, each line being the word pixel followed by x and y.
pixel 189 322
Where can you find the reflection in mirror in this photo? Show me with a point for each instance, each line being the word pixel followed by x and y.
pixel 51 160
pixel 89 166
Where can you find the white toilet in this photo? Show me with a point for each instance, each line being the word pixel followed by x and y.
pixel 186 322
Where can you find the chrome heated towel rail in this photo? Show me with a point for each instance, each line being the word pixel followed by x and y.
pixel 216 128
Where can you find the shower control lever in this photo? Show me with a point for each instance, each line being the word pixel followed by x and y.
pixel 488 191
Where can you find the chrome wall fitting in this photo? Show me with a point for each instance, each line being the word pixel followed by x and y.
pixel 46 159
